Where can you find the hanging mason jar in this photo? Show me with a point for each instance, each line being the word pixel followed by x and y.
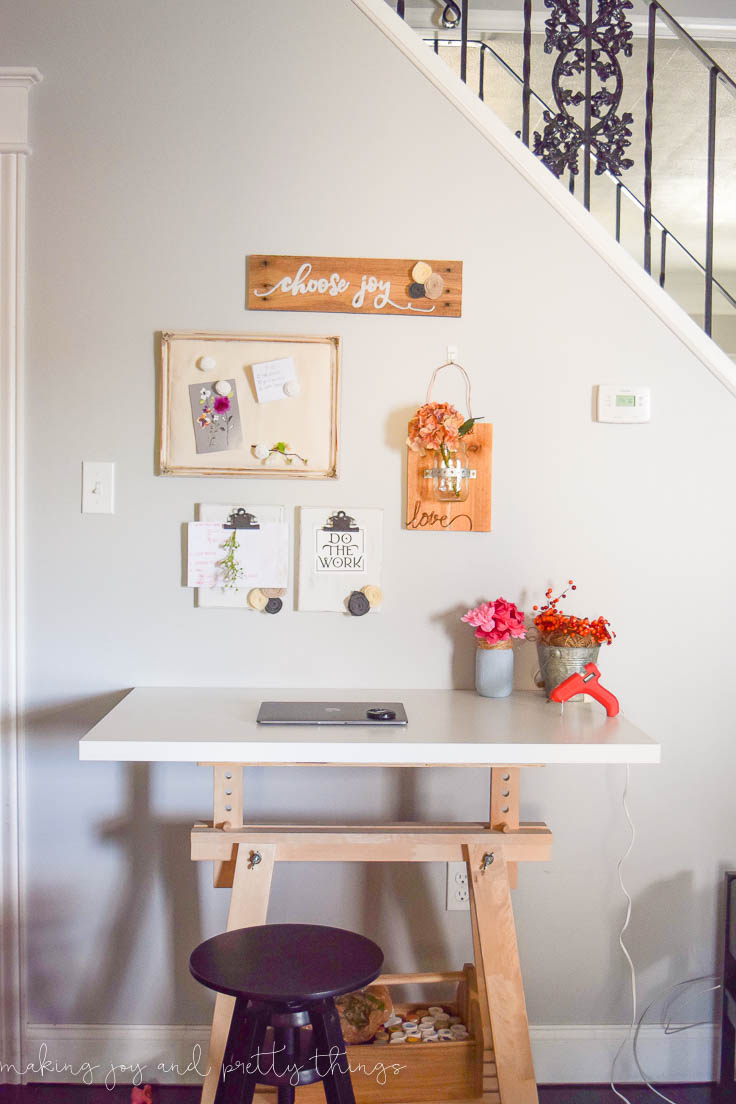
pixel 450 475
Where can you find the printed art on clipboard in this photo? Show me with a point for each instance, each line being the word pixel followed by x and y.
pixel 340 553
pixel 238 556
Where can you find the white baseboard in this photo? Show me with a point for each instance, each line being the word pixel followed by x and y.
pixel 169 1055
pixel 583 1054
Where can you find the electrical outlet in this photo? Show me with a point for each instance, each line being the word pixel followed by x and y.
pixel 458 892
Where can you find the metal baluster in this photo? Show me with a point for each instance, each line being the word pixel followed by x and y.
pixel 400 8
pixel 588 100
pixel 619 188
pixel 710 209
pixel 572 183
pixel 527 72
pixel 663 257
pixel 436 45
pixel 481 78
pixel 648 128
pixel 464 41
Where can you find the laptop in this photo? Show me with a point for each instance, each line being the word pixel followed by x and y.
pixel 332 713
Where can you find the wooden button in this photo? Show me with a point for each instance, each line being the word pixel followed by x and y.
pixel 257 599
pixel 373 594
pixel 274 592
pixel 416 291
pixel 434 286
pixel 358 604
pixel 421 271
pixel 273 605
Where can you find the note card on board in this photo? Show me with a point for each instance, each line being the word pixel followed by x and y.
pixel 275 379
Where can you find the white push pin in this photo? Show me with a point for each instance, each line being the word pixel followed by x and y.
pixel 292 388
pixel 222 387
pixel 207 364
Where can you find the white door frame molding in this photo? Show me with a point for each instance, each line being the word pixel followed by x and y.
pixel 15 85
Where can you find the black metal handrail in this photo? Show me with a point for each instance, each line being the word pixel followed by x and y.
pixel 621 188
pixel 588 45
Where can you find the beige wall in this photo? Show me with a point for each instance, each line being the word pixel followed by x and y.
pixel 170 140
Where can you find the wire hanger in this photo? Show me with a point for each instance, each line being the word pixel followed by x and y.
pixel 452 364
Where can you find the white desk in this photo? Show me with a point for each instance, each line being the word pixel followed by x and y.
pixel 446 728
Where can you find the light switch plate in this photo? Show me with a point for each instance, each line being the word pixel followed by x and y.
pixel 98 487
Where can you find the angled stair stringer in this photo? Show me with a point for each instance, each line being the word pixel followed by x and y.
pixel 497 134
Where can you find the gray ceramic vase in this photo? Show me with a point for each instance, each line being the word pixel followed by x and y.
pixel 494 672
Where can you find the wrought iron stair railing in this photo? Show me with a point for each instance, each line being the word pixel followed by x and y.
pixel 585 133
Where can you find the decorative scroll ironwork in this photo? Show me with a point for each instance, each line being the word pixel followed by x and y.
pixel 451 16
pixel 587 47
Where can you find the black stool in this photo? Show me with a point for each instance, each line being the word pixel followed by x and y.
pixel 285 977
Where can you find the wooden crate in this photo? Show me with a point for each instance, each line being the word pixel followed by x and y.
pixel 424 1072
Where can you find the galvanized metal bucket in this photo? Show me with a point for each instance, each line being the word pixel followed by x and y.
pixel 556 664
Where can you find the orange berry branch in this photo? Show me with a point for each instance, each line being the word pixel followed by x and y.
pixel 567 631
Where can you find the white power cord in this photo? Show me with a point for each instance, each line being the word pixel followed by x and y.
pixel 677 990
pixel 621 934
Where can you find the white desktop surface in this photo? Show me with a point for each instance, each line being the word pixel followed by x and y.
pixel 446 728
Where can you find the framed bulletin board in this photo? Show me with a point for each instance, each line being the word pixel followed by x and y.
pixel 249 404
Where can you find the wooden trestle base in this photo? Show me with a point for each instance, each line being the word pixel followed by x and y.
pixel 495 1065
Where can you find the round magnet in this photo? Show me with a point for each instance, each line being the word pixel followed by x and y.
pixel 373 594
pixel 207 364
pixel 358 604
pixel 292 388
pixel 273 592
pixel 421 271
pixel 273 605
pixel 416 291
pixel 261 452
pixel 257 599
pixel 222 387
pixel 434 286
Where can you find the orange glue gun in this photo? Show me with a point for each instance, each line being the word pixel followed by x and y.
pixel 586 684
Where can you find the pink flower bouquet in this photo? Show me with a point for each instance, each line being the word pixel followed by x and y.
pixel 496 622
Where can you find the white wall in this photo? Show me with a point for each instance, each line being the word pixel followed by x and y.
pixel 170 140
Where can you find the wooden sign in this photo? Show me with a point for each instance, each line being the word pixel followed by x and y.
pixel 356 285
pixel 423 512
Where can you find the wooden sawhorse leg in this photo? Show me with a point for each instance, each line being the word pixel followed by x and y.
pixel 499 977
pixel 248 906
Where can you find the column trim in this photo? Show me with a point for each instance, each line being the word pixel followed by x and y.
pixel 15 84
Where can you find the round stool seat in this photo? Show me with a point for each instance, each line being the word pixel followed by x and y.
pixel 286 964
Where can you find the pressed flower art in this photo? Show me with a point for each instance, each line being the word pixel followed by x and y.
pixel 216 418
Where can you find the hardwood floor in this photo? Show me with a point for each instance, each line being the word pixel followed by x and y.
pixel 548 1094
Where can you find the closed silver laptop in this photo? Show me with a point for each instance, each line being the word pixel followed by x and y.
pixel 332 713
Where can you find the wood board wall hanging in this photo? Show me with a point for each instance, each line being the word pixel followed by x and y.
pixel 249 404
pixel 355 285
pixel 340 551
pixel 448 482
pixel 238 556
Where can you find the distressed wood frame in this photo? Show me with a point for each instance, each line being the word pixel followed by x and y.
pixel 164 420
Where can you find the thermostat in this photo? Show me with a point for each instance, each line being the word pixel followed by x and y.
pixel 623 404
